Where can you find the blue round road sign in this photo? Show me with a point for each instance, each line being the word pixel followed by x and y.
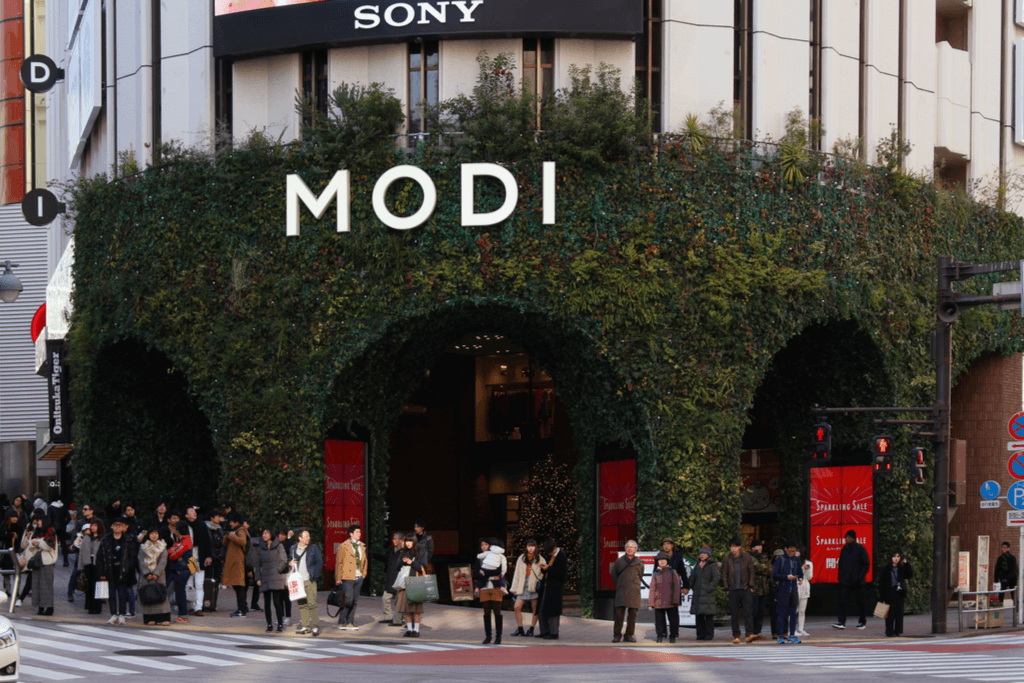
pixel 990 490
pixel 1016 426
pixel 1015 465
pixel 1015 496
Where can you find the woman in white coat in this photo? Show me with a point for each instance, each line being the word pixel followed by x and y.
pixel 803 591
pixel 524 585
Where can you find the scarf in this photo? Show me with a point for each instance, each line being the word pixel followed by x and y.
pixel 151 554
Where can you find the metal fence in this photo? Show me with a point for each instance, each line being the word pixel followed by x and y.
pixel 977 609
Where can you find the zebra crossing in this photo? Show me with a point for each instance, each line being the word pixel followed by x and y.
pixel 996 666
pixel 69 652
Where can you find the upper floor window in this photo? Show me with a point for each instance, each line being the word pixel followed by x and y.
pixel 648 62
pixel 314 81
pixel 539 69
pixel 424 84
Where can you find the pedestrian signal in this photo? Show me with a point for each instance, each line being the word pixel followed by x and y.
pixel 821 442
pixel 881 453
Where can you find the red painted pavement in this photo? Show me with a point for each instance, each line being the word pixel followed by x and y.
pixel 528 655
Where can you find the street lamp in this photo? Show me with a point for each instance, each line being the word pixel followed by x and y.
pixel 10 285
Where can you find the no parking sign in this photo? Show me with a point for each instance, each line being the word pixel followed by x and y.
pixel 1015 465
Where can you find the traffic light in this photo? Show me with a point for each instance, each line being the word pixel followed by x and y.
pixel 917 466
pixel 881 453
pixel 821 442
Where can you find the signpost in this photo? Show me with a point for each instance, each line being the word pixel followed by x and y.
pixel 1015 465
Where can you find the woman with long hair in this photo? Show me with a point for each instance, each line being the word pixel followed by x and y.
pixel 92 534
pixel 528 574
pixel 491 586
pixel 41 541
pixel 271 561
pixel 413 611
pixel 152 570
pixel 10 539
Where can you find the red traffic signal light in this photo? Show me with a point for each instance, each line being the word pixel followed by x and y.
pixel 917 466
pixel 821 442
pixel 881 453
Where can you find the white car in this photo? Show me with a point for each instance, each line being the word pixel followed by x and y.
pixel 10 652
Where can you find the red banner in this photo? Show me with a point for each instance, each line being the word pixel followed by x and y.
pixel 617 514
pixel 826 495
pixel 826 544
pixel 842 499
pixel 343 493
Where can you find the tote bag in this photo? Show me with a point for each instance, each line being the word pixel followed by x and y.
pixel 421 588
pixel 403 574
pixel 881 610
pixel 296 587
pixel 102 591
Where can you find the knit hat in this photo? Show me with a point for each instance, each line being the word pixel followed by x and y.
pixel 778 551
pixel 735 540
pixel 704 549
pixel 667 540
pixel 661 556
pixel 756 542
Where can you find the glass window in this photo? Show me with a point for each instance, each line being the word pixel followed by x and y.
pixel 424 84
pixel 314 80
pixel 539 69
pixel 648 63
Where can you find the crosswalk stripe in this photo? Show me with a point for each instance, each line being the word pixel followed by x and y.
pixel 167 639
pixel 346 653
pixel 1007 677
pixel 940 668
pixel 153 663
pixel 69 647
pixel 431 648
pixel 47 673
pixel 54 633
pixel 73 663
pixel 200 659
pixel 377 648
pixel 303 642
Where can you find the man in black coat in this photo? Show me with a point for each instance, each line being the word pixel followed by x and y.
pixel 1006 570
pixel 392 559
pixel 675 561
pixel 117 561
pixel 550 605
pixel 854 565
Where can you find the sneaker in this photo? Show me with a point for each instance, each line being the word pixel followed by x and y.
pixel 671 639
pixel 112 620
pixel 342 627
pixel 238 613
pixel 302 630
pixel 120 619
pixel 862 625
pixel 794 640
pixel 17 603
pixel 352 626
pixel 280 628
pixel 131 615
pixel 286 622
pixel 782 641
pixel 838 625
pixel 182 620
pixel 316 631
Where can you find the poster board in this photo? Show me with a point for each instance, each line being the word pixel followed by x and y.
pixel 842 500
pixel 963 581
pixel 983 543
pixel 461 582
pixel 685 618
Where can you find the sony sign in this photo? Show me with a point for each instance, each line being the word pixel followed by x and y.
pixel 296 192
pixel 401 14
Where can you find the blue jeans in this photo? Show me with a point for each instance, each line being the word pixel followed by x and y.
pixel 178 580
pixel 788 603
pixel 118 598
pixel 351 589
pixel 71 582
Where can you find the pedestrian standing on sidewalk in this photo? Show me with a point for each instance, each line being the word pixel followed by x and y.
pixel 59 518
pixel 307 560
pixel 237 543
pixel 18 506
pixel 892 590
pixel 425 542
pixel 159 519
pixel 152 571
pixel 528 575
pixel 177 567
pixel 490 592
pixel 773 597
pixel 703 580
pixel 1006 571
pixel 555 571
pixel 41 550
pixel 854 564
pixel 676 562
pixel 350 566
pixel 413 611
pixel 271 565
pixel 627 576
pixel 785 573
pixel 738 580
pixel 202 551
pixel 10 539
pixel 89 545
pixel 664 598
pixel 762 581
pixel 285 538
pixel 116 562
pixel 250 562
pixel 217 549
pixel 804 591
pixel 391 559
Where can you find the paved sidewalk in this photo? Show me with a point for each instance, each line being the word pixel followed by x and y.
pixel 459 624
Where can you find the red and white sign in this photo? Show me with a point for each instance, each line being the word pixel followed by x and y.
pixel 842 499
pixel 617 514
pixel 344 498
pixel 1015 465
pixel 1016 426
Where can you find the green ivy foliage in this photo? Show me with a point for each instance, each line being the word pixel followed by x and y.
pixel 657 302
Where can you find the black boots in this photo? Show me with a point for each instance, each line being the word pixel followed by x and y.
pixel 498 620
pixel 519 632
pixel 529 632
pixel 487 629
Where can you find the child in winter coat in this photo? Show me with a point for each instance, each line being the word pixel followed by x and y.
pixel 490 567
pixel 664 598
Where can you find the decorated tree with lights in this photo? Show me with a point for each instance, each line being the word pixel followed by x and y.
pixel 548 510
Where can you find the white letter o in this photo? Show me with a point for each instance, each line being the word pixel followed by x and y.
pixel 380 191
pixel 389 15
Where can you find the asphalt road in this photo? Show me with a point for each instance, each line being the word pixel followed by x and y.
pixel 87 653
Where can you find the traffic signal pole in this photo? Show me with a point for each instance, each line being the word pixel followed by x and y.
pixel 942 352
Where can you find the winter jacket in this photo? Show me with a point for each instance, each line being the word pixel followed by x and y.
pixel 787 566
pixel 666 588
pixel 217 549
pixel 125 549
pixel 804 589
pixel 47 547
pixel 854 564
pixel 201 541
pixel 887 592
pixel 676 562
pixel 345 563
pixel 237 543
pixel 554 582
pixel 627 576
pixel 314 560
pixel 526 579
pixel 426 546
pixel 703 581
pixel 391 560
pixel 747 576
pixel 1006 569
pixel 87 551
pixel 762 572
pixel 271 566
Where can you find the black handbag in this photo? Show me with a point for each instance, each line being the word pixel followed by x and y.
pixel 152 593
pixel 337 598
pixel 35 563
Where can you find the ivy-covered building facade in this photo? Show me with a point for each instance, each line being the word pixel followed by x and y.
pixel 514 311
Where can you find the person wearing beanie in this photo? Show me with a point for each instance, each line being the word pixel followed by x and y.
pixel 738 579
pixel 664 598
pixel 762 583
pixel 703 580
pixel 237 543
pixel 675 560
pixel 627 575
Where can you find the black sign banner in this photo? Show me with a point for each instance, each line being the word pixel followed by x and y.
pixel 337 23
pixel 60 400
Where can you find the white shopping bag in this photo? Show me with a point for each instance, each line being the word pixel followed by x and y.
pixel 102 590
pixel 296 587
